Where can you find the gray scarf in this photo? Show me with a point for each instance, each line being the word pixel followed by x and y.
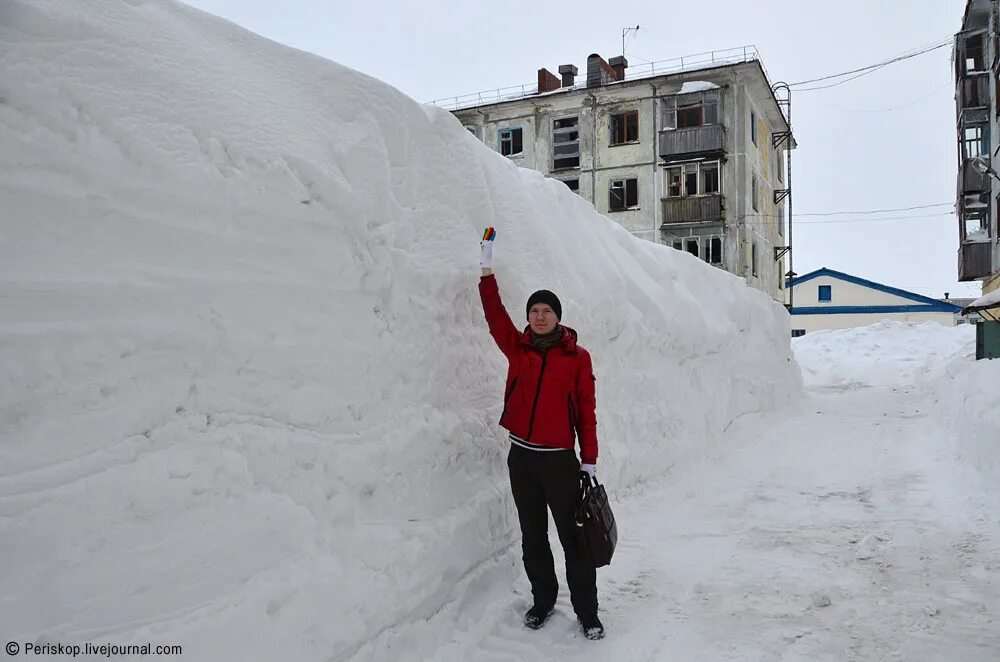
pixel 548 340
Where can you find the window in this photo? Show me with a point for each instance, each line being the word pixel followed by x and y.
pixel 689 116
pixel 566 143
pixel 974 59
pixel 976 141
pixel 798 333
pixel 753 258
pixel 692 179
pixel 674 187
pixel 694 109
pixel 625 128
pixel 572 184
pixel 510 141
pixel 709 178
pixel 826 293
pixel 753 127
pixel 713 250
pixel 707 248
pixel 975 224
pixel 472 130
pixel 781 280
pixel 753 191
pixel 624 194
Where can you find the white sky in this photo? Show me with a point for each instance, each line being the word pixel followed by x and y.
pixel 886 140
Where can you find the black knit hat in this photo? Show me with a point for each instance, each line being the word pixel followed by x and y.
pixel 544 296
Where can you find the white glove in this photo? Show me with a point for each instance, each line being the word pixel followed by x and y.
pixel 486 248
pixel 589 469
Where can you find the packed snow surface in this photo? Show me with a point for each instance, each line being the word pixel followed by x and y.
pixel 987 299
pixel 697 86
pixel 249 400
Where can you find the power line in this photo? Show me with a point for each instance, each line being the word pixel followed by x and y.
pixel 753 221
pixel 876 211
pixel 891 108
pixel 864 71
pixel 874 220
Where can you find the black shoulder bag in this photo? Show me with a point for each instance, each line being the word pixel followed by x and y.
pixel 596 531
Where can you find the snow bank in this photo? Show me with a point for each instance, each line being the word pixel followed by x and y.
pixel 893 354
pixel 936 362
pixel 969 404
pixel 249 401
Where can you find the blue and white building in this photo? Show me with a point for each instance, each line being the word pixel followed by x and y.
pixel 828 299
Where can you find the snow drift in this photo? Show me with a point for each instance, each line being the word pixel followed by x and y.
pixel 934 361
pixel 249 401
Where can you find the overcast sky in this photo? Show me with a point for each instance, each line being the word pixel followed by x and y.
pixel 886 140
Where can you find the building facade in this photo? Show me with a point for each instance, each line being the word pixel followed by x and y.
pixel 693 159
pixel 826 299
pixel 977 93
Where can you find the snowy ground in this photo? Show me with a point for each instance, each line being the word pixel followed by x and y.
pixel 855 530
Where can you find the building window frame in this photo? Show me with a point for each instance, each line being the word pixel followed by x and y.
pixel 824 293
pixel 566 142
pixel 976 140
pixel 623 194
pixel 623 128
pixel 975 226
pixel 709 248
pixel 510 141
pixel 676 184
pixel 705 106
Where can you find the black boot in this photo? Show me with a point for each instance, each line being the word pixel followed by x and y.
pixel 592 627
pixel 535 617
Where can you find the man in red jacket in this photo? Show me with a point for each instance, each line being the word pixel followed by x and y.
pixel 548 404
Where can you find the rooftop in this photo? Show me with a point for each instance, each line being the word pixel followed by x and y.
pixel 683 64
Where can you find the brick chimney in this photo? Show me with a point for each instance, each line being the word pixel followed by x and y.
pixel 599 72
pixel 568 73
pixel 547 81
pixel 619 64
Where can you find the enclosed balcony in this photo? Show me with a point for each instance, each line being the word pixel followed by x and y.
pixel 971 180
pixel 693 209
pixel 974 260
pixel 708 140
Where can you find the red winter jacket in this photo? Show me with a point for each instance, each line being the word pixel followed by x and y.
pixel 549 396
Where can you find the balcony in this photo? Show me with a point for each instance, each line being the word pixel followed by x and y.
pixel 693 209
pixel 974 260
pixel 709 140
pixel 972 181
pixel 974 91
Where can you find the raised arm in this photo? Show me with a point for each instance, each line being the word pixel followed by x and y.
pixel 502 328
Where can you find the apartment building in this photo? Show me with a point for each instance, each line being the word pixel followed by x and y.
pixel 977 77
pixel 688 154
pixel 977 91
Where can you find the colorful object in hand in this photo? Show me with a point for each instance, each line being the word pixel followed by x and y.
pixel 489 234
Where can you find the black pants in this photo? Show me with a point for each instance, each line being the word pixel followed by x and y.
pixel 551 478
